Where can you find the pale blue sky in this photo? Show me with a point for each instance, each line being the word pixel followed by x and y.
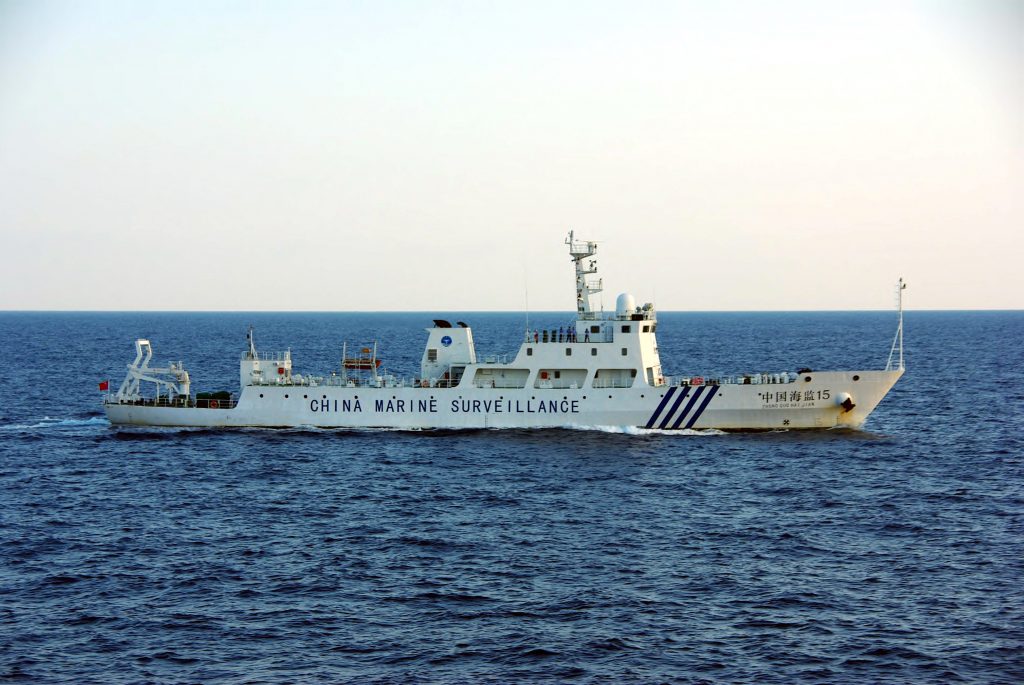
pixel 431 156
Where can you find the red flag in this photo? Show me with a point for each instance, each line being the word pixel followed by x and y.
pixel 105 385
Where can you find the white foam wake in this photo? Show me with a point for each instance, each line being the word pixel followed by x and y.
pixel 635 430
pixel 51 423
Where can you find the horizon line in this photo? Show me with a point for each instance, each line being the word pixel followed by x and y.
pixel 473 311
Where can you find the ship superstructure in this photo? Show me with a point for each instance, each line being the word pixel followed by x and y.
pixel 603 370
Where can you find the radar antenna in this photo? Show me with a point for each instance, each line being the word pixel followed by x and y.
pixel 581 252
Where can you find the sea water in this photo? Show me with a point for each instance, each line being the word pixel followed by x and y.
pixel 889 554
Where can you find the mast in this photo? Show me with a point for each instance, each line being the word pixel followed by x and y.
pixel 580 252
pixel 897 341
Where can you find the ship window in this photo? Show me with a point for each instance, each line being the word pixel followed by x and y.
pixel 647 329
pixel 558 374
pixel 595 329
pixel 432 355
pixel 593 351
pixel 568 352
pixel 632 373
pixel 529 351
pixel 625 351
pixel 625 329
pixel 654 327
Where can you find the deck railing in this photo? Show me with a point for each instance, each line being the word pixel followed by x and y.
pixel 177 402
pixel 270 356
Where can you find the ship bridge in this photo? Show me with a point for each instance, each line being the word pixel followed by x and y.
pixel 599 350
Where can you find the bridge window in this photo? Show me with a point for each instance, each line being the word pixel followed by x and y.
pixel 647 329
pixel 595 329
pixel 560 378
pixel 625 329
pixel 500 378
pixel 614 378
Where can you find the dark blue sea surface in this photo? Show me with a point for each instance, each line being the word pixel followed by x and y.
pixel 891 554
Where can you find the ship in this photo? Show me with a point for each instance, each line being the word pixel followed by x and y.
pixel 603 370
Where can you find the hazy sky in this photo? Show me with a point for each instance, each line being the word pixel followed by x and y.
pixel 432 155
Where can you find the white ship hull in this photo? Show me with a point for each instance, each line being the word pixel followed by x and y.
pixel 603 369
pixel 800 404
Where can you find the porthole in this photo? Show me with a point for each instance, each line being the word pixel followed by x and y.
pixel 261 394
pixel 807 379
pixel 305 397
pixel 286 396
pixel 856 378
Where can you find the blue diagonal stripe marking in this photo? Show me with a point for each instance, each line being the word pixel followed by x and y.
pixel 675 405
pixel 689 406
pixel 664 401
pixel 703 406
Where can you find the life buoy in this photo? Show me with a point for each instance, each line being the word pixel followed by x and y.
pixel 280 371
pixel 697 380
pixel 544 375
pixel 214 404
